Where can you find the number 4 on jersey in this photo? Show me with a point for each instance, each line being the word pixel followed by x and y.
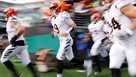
pixel 115 24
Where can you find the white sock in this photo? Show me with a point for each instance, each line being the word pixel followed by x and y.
pixel 59 75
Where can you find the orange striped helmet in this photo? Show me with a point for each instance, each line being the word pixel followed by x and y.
pixel 10 12
pixel 65 6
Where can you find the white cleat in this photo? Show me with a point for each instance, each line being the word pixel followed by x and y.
pixel 96 74
pixel 21 75
pixel 59 75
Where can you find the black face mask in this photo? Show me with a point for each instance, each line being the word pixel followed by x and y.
pixel 69 1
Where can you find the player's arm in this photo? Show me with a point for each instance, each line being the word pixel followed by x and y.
pixel 71 24
pixel 20 29
pixel 101 9
pixel 130 11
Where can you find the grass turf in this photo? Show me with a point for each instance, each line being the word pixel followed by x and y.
pixel 67 72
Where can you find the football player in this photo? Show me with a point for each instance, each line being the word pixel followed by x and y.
pixel 62 26
pixel 99 35
pixel 121 15
pixel 15 30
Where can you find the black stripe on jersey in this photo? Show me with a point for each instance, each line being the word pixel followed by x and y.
pixel 68 41
pixel 8 54
pixel 11 49
pixel 66 46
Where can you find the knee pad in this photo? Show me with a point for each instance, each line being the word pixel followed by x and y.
pixel 115 65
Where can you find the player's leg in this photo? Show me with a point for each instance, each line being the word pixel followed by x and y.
pixel 6 55
pixel 117 57
pixel 65 51
pixel 60 57
pixel 88 63
pixel 59 68
pixel 95 56
pixel 131 59
pixel 24 57
pixel 68 49
pixel 95 48
pixel 88 66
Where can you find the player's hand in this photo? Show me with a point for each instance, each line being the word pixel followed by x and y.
pixel 64 34
pixel 53 34
pixel 21 30
pixel 55 31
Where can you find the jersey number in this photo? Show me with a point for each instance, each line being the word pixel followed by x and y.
pixel 56 28
pixel 115 24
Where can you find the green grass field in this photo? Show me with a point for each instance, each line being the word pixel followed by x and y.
pixel 67 72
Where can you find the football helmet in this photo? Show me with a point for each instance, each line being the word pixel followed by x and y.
pixel 10 12
pixel 65 6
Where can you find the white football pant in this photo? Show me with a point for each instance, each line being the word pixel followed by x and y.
pixel 19 51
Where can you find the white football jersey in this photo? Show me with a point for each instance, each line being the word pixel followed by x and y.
pixel 11 31
pixel 60 22
pixel 97 30
pixel 115 18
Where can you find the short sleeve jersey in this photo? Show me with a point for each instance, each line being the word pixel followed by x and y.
pixel 11 31
pixel 60 22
